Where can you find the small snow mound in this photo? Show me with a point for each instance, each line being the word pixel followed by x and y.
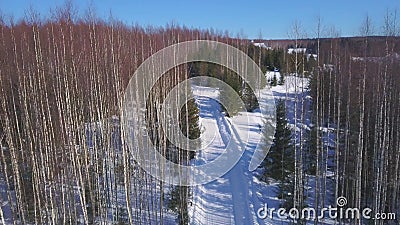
pixel 271 74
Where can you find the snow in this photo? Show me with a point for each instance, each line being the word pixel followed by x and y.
pixel 230 199
pixel 235 197
pixel 314 56
pixel 295 92
pixel 4 202
pixel 296 50
pixel 271 74
pixel 261 45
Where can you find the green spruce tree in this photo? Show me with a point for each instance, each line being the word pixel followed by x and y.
pixel 189 122
pixel 274 81
pixel 179 196
pixel 279 164
pixel 178 203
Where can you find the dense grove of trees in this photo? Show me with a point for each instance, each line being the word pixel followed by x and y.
pixel 355 133
pixel 63 159
pixel 267 59
pixel 62 82
pixel 357 91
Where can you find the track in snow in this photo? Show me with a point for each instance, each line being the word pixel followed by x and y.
pixel 227 200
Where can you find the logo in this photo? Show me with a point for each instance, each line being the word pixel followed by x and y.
pixel 333 213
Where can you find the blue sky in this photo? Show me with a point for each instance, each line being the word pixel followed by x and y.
pixel 272 19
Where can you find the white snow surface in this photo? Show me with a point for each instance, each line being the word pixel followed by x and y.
pixel 236 197
pixel 271 74
pixel 231 198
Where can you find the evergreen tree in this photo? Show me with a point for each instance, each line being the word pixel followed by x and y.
pixel 178 203
pixel 178 198
pixel 278 58
pixel 249 99
pixel 274 81
pixel 189 122
pixel 234 81
pixel 279 164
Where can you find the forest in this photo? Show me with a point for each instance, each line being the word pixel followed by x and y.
pixel 63 159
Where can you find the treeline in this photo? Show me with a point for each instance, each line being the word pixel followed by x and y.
pixel 63 159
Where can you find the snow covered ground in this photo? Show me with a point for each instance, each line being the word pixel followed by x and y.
pixel 236 197
pixel 231 198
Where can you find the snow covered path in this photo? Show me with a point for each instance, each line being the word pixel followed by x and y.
pixel 212 202
pixel 229 199
pixel 235 197
pixel 239 183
